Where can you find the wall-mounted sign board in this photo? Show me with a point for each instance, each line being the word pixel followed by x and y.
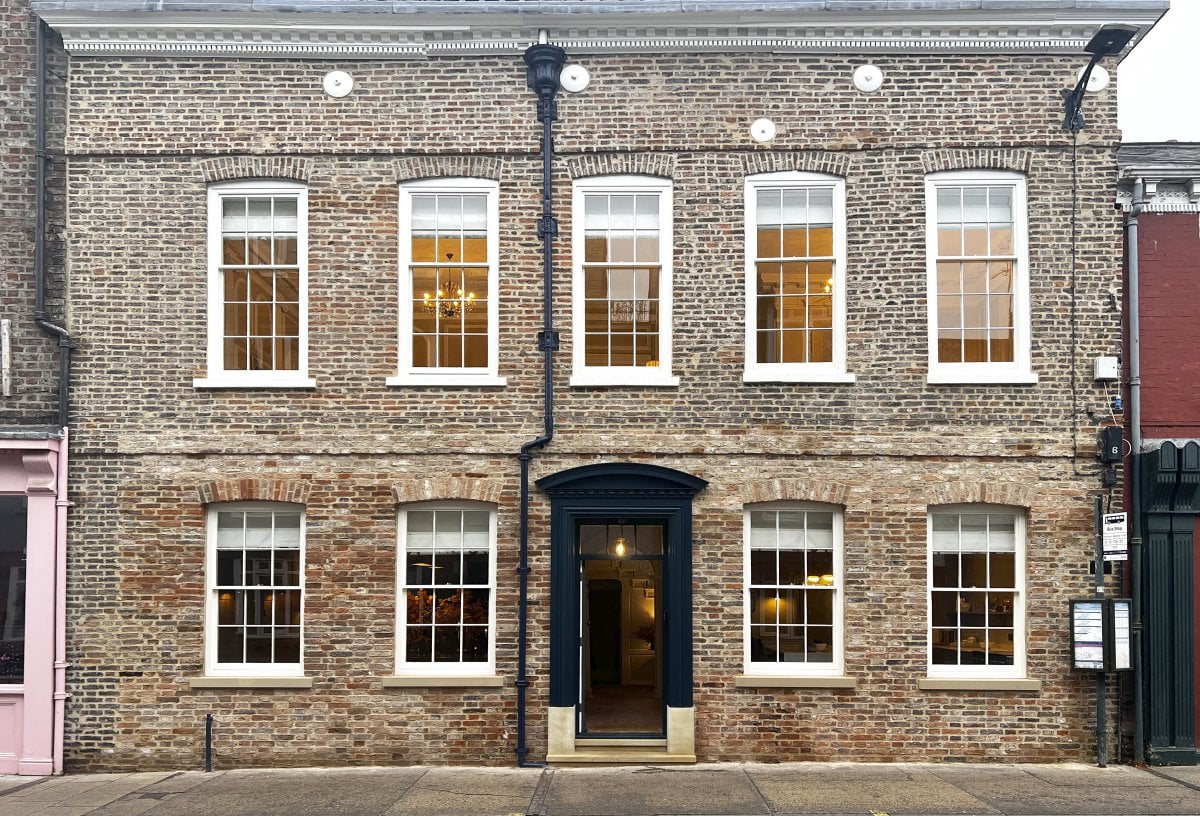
pixel 1100 634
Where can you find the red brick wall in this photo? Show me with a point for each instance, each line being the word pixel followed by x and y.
pixel 1169 269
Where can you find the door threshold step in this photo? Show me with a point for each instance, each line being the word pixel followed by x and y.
pixel 622 742
pixel 621 755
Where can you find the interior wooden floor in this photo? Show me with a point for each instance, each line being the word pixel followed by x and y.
pixel 624 710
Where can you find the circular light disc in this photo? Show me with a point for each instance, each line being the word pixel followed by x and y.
pixel 574 78
pixel 762 130
pixel 338 84
pixel 1098 81
pixel 868 78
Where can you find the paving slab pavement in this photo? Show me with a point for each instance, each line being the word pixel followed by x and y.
pixel 795 789
pixel 706 790
pixel 849 788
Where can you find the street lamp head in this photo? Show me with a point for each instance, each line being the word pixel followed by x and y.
pixel 545 63
pixel 1110 40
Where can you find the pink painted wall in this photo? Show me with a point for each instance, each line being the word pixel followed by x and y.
pixel 27 713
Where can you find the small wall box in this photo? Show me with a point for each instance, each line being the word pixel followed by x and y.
pixel 1100 634
pixel 1108 369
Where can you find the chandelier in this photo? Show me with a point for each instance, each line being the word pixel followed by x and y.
pixel 625 311
pixel 450 300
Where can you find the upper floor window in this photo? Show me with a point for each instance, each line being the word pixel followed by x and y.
pixel 255 605
pixel 622 275
pixel 448 283
pixel 793 585
pixel 257 285
pixel 796 278
pixel 976 591
pixel 447 610
pixel 978 278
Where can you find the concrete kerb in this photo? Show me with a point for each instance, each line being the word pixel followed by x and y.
pixel 716 789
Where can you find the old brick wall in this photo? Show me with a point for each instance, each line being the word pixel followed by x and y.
pixel 32 400
pixel 143 141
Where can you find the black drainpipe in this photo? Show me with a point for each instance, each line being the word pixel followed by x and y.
pixel 39 235
pixel 544 63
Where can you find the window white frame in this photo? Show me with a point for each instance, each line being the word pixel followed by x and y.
pixel 660 375
pixel 830 372
pixel 218 375
pixel 214 589
pixel 973 592
pixel 433 668
pixel 406 372
pixel 800 668
pixel 1019 370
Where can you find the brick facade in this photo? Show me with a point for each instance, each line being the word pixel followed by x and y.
pixel 32 399
pixel 148 135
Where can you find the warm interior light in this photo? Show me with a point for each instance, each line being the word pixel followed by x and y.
pixel 619 546
pixel 451 300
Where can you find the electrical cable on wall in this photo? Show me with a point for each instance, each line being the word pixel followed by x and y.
pixel 1074 302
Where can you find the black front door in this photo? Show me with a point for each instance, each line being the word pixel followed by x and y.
pixel 587 504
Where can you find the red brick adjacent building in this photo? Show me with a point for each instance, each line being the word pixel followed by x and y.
pixel 1160 193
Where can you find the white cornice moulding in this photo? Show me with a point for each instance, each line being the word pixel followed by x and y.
pixel 1166 189
pixel 367 36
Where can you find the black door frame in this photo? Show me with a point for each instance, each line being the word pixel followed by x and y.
pixel 617 490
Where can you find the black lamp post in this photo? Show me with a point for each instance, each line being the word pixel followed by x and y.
pixel 1109 40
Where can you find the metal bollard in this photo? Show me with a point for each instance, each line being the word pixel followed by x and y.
pixel 208 721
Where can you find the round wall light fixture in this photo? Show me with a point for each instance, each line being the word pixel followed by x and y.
pixel 868 78
pixel 762 130
pixel 1098 81
pixel 338 84
pixel 574 78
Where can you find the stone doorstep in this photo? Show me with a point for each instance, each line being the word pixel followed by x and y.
pixel 620 755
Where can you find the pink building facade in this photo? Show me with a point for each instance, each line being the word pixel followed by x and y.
pixel 32 600
pixel 33 403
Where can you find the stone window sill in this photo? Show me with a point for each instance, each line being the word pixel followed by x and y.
pixel 442 681
pixel 764 681
pixel 977 684
pixel 250 682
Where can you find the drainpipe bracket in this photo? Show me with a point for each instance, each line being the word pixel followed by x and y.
pixel 548 341
pixel 547 226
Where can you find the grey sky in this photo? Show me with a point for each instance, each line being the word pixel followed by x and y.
pixel 1159 87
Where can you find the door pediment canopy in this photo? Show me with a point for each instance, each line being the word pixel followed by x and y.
pixel 621 478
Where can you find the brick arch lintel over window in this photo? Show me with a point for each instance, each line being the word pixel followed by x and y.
pixel 981 492
pixel 774 490
pixel 660 165
pixel 233 168
pixel 446 488
pixel 292 491
pixel 807 161
pixel 1015 159
pixel 412 168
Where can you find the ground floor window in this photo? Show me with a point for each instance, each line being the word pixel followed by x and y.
pixel 256 569
pixel 13 534
pixel 447 580
pixel 976 586
pixel 793 589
